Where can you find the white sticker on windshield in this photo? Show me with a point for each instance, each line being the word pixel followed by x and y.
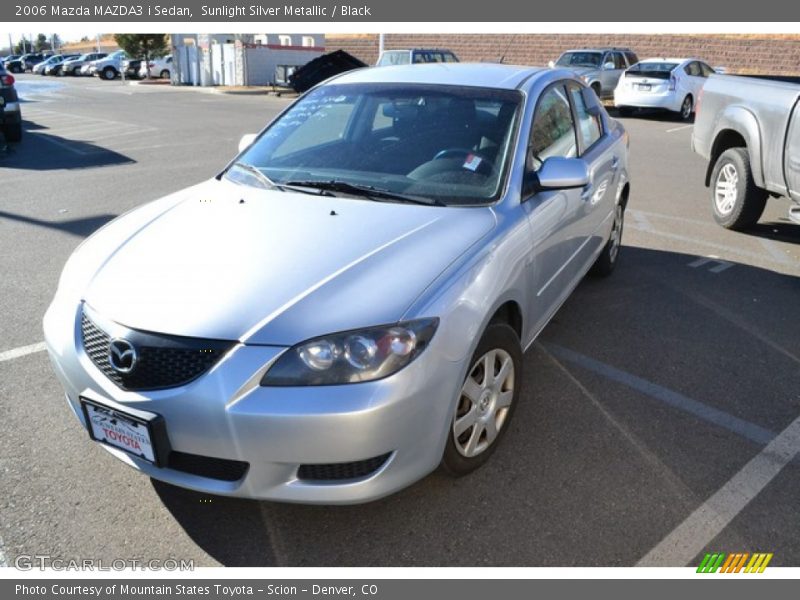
pixel 472 162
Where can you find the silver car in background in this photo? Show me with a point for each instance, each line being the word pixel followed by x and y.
pixel 345 306
pixel 599 68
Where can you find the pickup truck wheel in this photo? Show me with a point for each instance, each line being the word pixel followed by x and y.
pixel 736 201
pixel 687 108
pixel 605 263
pixel 109 73
pixel 487 400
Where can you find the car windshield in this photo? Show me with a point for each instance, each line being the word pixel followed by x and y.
pixel 446 144
pixel 395 57
pixel 580 59
pixel 655 70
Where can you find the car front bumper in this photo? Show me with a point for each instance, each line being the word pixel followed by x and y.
pixel 226 414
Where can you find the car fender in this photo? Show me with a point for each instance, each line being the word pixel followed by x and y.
pixel 741 120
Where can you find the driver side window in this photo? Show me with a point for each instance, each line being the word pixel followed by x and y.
pixel 553 131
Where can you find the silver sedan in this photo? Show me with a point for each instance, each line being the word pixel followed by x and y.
pixel 345 306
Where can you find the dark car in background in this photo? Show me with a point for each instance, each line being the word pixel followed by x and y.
pixel 10 115
pixel 54 68
pixel 31 60
pixel 131 68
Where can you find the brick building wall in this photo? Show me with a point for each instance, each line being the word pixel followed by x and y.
pixel 765 54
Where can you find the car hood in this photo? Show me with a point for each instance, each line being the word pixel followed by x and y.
pixel 581 71
pixel 225 261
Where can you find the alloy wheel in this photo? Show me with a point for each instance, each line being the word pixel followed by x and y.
pixel 484 403
pixel 725 189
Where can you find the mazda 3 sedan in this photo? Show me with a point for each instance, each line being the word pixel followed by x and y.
pixel 345 306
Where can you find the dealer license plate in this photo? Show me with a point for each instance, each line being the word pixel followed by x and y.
pixel 121 430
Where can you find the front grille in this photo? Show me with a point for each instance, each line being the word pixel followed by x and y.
pixel 163 361
pixel 340 471
pixel 207 466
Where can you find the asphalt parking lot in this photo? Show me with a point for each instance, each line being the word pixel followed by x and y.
pixel 658 419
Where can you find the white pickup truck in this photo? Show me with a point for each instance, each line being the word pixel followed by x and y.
pixel 749 131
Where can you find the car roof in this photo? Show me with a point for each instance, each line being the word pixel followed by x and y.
pixel 600 49
pixel 492 75
pixel 669 60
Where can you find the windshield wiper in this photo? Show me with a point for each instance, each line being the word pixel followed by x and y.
pixel 363 191
pixel 257 173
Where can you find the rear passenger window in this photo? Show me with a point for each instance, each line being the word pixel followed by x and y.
pixel 553 132
pixel 589 127
pixel 693 69
pixel 632 58
pixel 706 70
pixel 619 61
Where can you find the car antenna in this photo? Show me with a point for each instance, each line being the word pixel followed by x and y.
pixel 503 56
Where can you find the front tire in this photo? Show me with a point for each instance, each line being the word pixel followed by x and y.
pixel 487 400
pixel 109 73
pixel 736 201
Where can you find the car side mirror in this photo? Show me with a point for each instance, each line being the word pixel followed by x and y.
pixel 609 66
pixel 551 64
pixel 246 141
pixel 558 173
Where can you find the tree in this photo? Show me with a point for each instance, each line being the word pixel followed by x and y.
pixel 42 43
pixel 143 45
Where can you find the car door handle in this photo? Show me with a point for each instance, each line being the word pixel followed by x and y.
pixel 587 192
pixel 615 163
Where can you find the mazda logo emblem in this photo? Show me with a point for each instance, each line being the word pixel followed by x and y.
pixel 122 355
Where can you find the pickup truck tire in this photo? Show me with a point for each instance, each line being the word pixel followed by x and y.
pixel 487 401
pixel 109 73
pixel 736 201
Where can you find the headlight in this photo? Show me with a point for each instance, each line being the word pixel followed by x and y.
pixel 352 356
pixel 585 78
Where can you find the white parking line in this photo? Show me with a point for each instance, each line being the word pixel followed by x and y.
pixel 642 222
pixel 722 265
pixel 709 520
pixel 22 351
pixel 775 251
pixel 681 128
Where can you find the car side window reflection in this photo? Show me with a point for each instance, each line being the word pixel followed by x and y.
pixel 590 128
pixel 553 131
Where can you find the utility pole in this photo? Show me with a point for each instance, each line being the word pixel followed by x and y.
pixel 98 42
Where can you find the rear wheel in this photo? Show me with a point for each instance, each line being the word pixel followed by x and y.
pixel 487 400
pixel 607 261
pixel 736 201
pixel 687 108
pixel 165 74
pixel 109 73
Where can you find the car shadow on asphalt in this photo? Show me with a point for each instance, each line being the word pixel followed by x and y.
pixel 784 231
pixel 41 151
pixel 592 471
pixel 78 227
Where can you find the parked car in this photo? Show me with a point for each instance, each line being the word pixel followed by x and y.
pixel 673 84
pixel 446 215
pixel 73 65
pixel 10 114
pixel 415 56
pixel 109 67
pixel 9 58
pixel 17 65
pixel 54 68
pixel 600 68
pixel 131 68
pixel 31 60
pixel 159 67
pixel 749 131
pixel 38 68
pixel 44 67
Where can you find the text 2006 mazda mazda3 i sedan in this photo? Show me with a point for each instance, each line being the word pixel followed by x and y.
pixel 345 306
